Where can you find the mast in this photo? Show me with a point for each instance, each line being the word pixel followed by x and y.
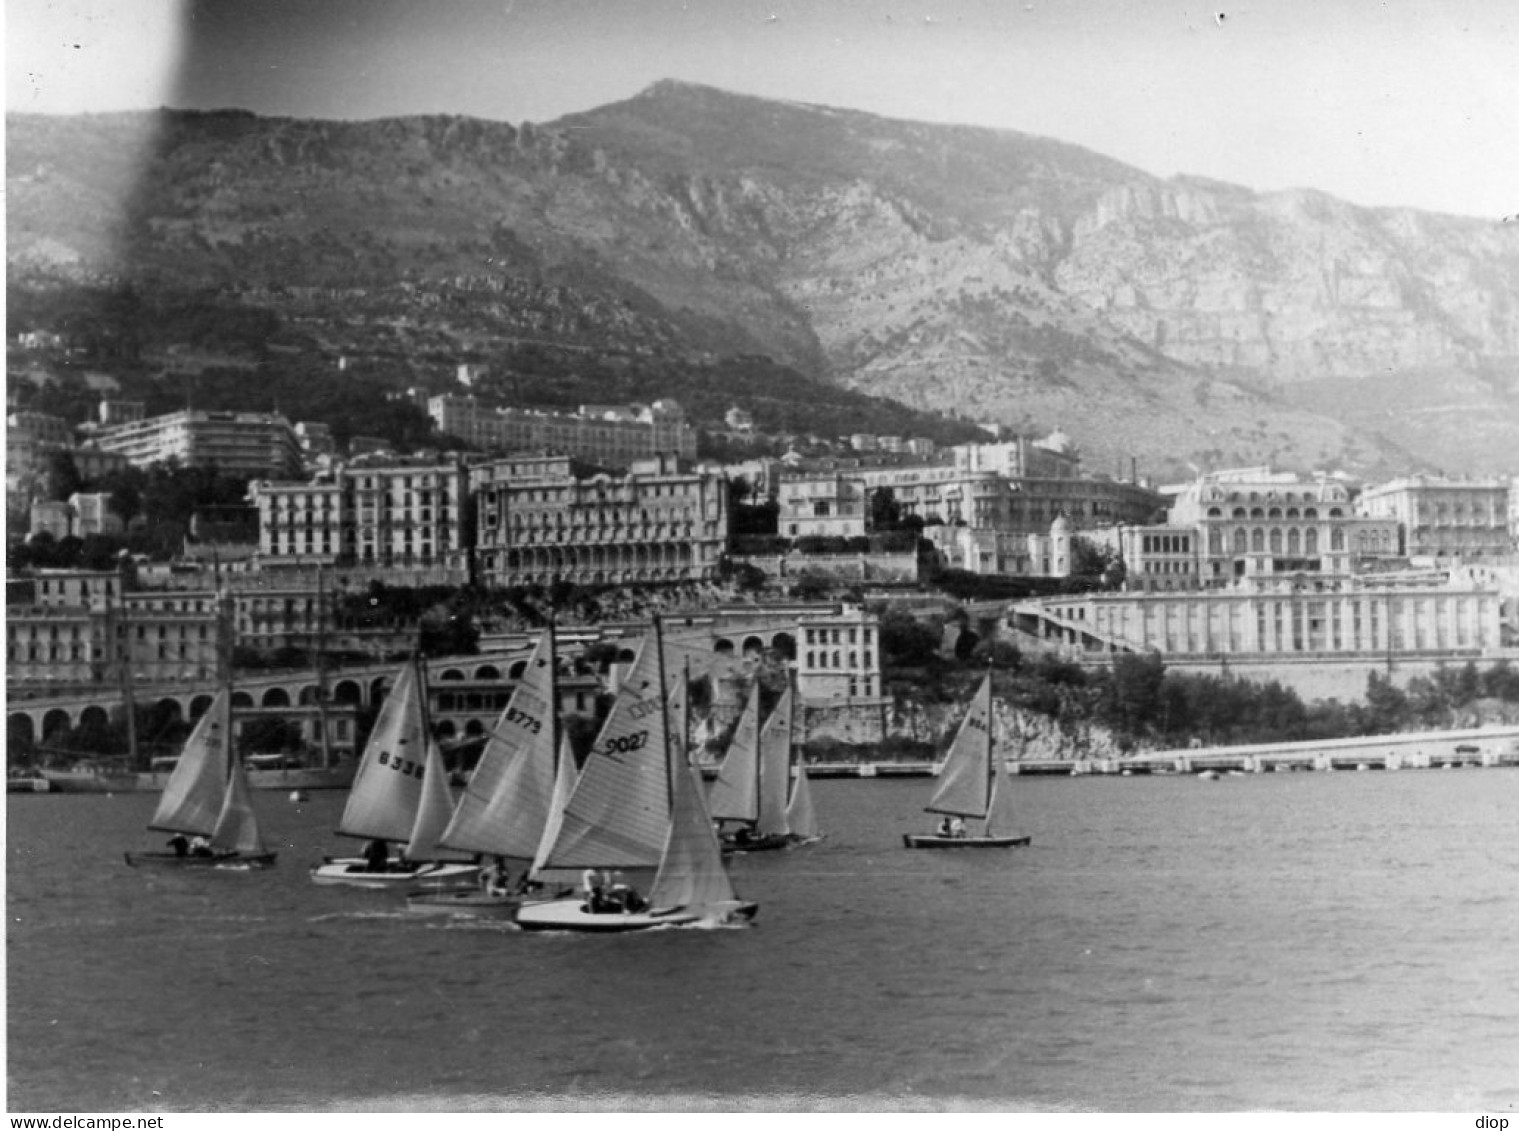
pixel 991 747
pixel 224 666
pixel 122 649
pixel 320 661
pixel 555 730
pixel 664 709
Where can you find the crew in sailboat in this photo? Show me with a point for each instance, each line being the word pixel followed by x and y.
pixel 376 855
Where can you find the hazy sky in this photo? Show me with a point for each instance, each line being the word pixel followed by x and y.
pixel 1395 102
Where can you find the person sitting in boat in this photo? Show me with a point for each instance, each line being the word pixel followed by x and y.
pixel 621 897
pixel 200 846
pixel 957 827
pixel 944 827
pixel 376 856
pixel 180 844
pixel 494 878
pixel 591 888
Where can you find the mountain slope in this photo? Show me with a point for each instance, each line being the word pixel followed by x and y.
pixel 987 273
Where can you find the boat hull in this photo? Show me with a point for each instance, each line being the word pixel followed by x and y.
pixel 464 903
pixel 574 915
pixel 353 871
pixel 731 845
pixel 228 860
pixel 933 840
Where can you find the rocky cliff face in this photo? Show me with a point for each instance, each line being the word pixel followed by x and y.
pixel 986 273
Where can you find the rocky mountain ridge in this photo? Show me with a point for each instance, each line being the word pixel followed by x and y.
pixel 988 273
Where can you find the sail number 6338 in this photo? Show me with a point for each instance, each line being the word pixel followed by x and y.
pixel 404 766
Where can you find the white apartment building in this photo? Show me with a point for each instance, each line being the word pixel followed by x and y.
pixel 838 656
pixel 238 443
pixel 1445 517
pixel 825 504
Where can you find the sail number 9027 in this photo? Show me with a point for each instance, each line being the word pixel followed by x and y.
pixel 624 743
pixel 403 766
pixel 525 720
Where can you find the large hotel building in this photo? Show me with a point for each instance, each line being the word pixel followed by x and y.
pixel 542 519
pixel 1253 523
pixel 390 513
pixel 609 436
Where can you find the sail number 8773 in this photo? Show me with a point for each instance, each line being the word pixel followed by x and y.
pixel 524 720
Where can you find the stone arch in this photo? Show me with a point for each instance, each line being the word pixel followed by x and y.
pixel 625 656
pixel 487 671
pixel 347 691
pixel 199 705
pixel 446 729
pixel 55 721
pixel 171 709
pixel 516 670
pixel 94 716
pixel 379 687
pixel 20 730
pixel 242 699
pixel 473 727
pixel 275 697
pixel 451 674
pixel 723 646
pixel 753 646
pixel 785 644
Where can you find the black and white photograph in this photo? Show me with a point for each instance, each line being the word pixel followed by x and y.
pixel 683 557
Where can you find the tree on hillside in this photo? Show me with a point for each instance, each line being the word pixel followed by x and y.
pixel 885 511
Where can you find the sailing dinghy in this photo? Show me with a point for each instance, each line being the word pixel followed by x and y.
pixel 968 785
pixel 638 806
pixel 400 795
pixel 751 787
pixel 207 796
pixel 507 804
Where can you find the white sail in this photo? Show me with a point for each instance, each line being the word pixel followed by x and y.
pixel 387 786
pixel 799 812
pixel 691 872
pixel 999 810
pixel 735 794
pixel 775 770
pixel 435 808
pixel 619 814
pixel 505 805
pixel 192 799
pixel 237 825
pixel 965 777
pixel 564 785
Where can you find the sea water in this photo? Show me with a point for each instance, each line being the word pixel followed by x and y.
pixel 1310 941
